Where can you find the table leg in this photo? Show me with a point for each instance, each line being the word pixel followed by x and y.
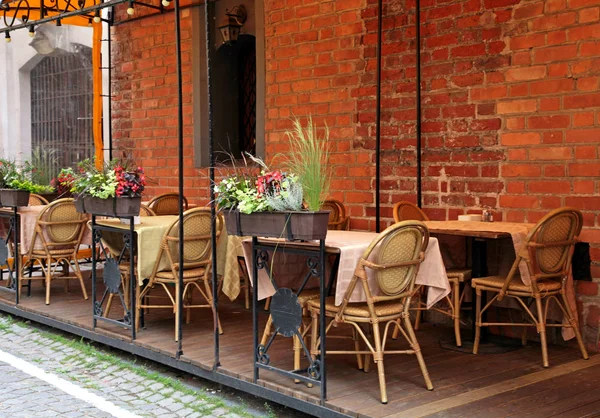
pixel 480 269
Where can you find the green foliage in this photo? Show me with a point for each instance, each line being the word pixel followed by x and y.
pixel 308 159
pixel 43 166
pixel 97 182
pixel 20 178
pixel 8 172
pixel 289 196
pixel 28 185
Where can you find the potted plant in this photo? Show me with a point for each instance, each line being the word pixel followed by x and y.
pixel 42 170
pixel 281 204
pixel 17 184
pixel 114 189
pixel 64 182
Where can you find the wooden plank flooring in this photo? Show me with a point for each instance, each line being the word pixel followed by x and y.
pixel 508 384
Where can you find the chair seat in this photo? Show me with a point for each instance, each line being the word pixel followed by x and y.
pixel 516 284
pixel 308 295
pixel 359 309
pixel 42 253
pixel 197 273
pixel 463 275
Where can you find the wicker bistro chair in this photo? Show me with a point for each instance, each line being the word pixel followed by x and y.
pixel 401 249
pixel 197 254
pixel 338 220
pixel 167 204
pixel 547 251
pixel 59 229
pixel 37 200
pixel 404 211
pixel 146 211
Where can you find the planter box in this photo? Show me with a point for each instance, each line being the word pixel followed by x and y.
pixel 12 198
pixel 301 225
pixel 114 206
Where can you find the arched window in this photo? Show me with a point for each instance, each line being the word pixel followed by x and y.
pixel 61 107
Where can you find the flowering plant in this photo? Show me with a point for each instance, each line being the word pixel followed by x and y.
pixel 114 179
pixel 267 191
pixel 63 183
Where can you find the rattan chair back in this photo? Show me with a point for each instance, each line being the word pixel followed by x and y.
pixel 62 222
pixel 146 211
pixel 197 237
pixel 407 211
pixel 37 200
pixel 396 254
pixel 338 220
pixel 167 204
pixel 552 240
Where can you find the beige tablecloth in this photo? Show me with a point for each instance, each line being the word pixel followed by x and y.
pixel 229 248
pixel 350 245
pixel 149 234
pixel 28 217
pixel 518 233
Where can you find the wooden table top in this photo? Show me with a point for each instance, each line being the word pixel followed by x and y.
pixel 489 230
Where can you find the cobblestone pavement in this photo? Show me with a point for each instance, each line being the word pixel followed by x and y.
pixel 142 389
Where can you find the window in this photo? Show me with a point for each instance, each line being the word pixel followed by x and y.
pixel 61 107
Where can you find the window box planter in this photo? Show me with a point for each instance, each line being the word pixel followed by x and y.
pixel 293 226
pixel 12 197
pixel 114 206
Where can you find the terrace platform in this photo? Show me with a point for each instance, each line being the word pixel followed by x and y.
pixel 507 384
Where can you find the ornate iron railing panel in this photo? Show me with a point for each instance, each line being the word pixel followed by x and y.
pixel 115 265
pixel 286 311
pixel 9 246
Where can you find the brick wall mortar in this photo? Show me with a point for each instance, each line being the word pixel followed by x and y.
pixel 511 108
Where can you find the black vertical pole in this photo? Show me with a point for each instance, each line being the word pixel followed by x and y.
pixel 378 119
pixel 180 155
pixel 110 138
pixel 418 92
pixel 213 231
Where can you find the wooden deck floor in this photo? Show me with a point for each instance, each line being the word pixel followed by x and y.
pixel 508 384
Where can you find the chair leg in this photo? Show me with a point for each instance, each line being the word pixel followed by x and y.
pixel 247 291
pixel 477 321
pixel 542 331
pixel 418 353
pixel 80 277
pixel 267 331
pixel 456 316
pixel 297 349
pixel 108 304
pixel 268 304
pixel 177 302
pixel 314 333
pixel 417 314
pixel 359 359
pixel 572 321
pixel 378 357
pixel 48 279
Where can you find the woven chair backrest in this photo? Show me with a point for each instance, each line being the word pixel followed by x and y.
pixel 37 200
pixel 196 231
pixel 337 212
pixel 406 211
pixel 397 253
pixel 167 204
pixel 553 238
pixel 63 221
pixel 146 211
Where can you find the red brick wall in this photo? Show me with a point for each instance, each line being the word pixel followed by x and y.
pixel 145 99
pixel 511 106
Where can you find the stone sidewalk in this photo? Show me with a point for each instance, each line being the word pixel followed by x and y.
pixel 131 384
